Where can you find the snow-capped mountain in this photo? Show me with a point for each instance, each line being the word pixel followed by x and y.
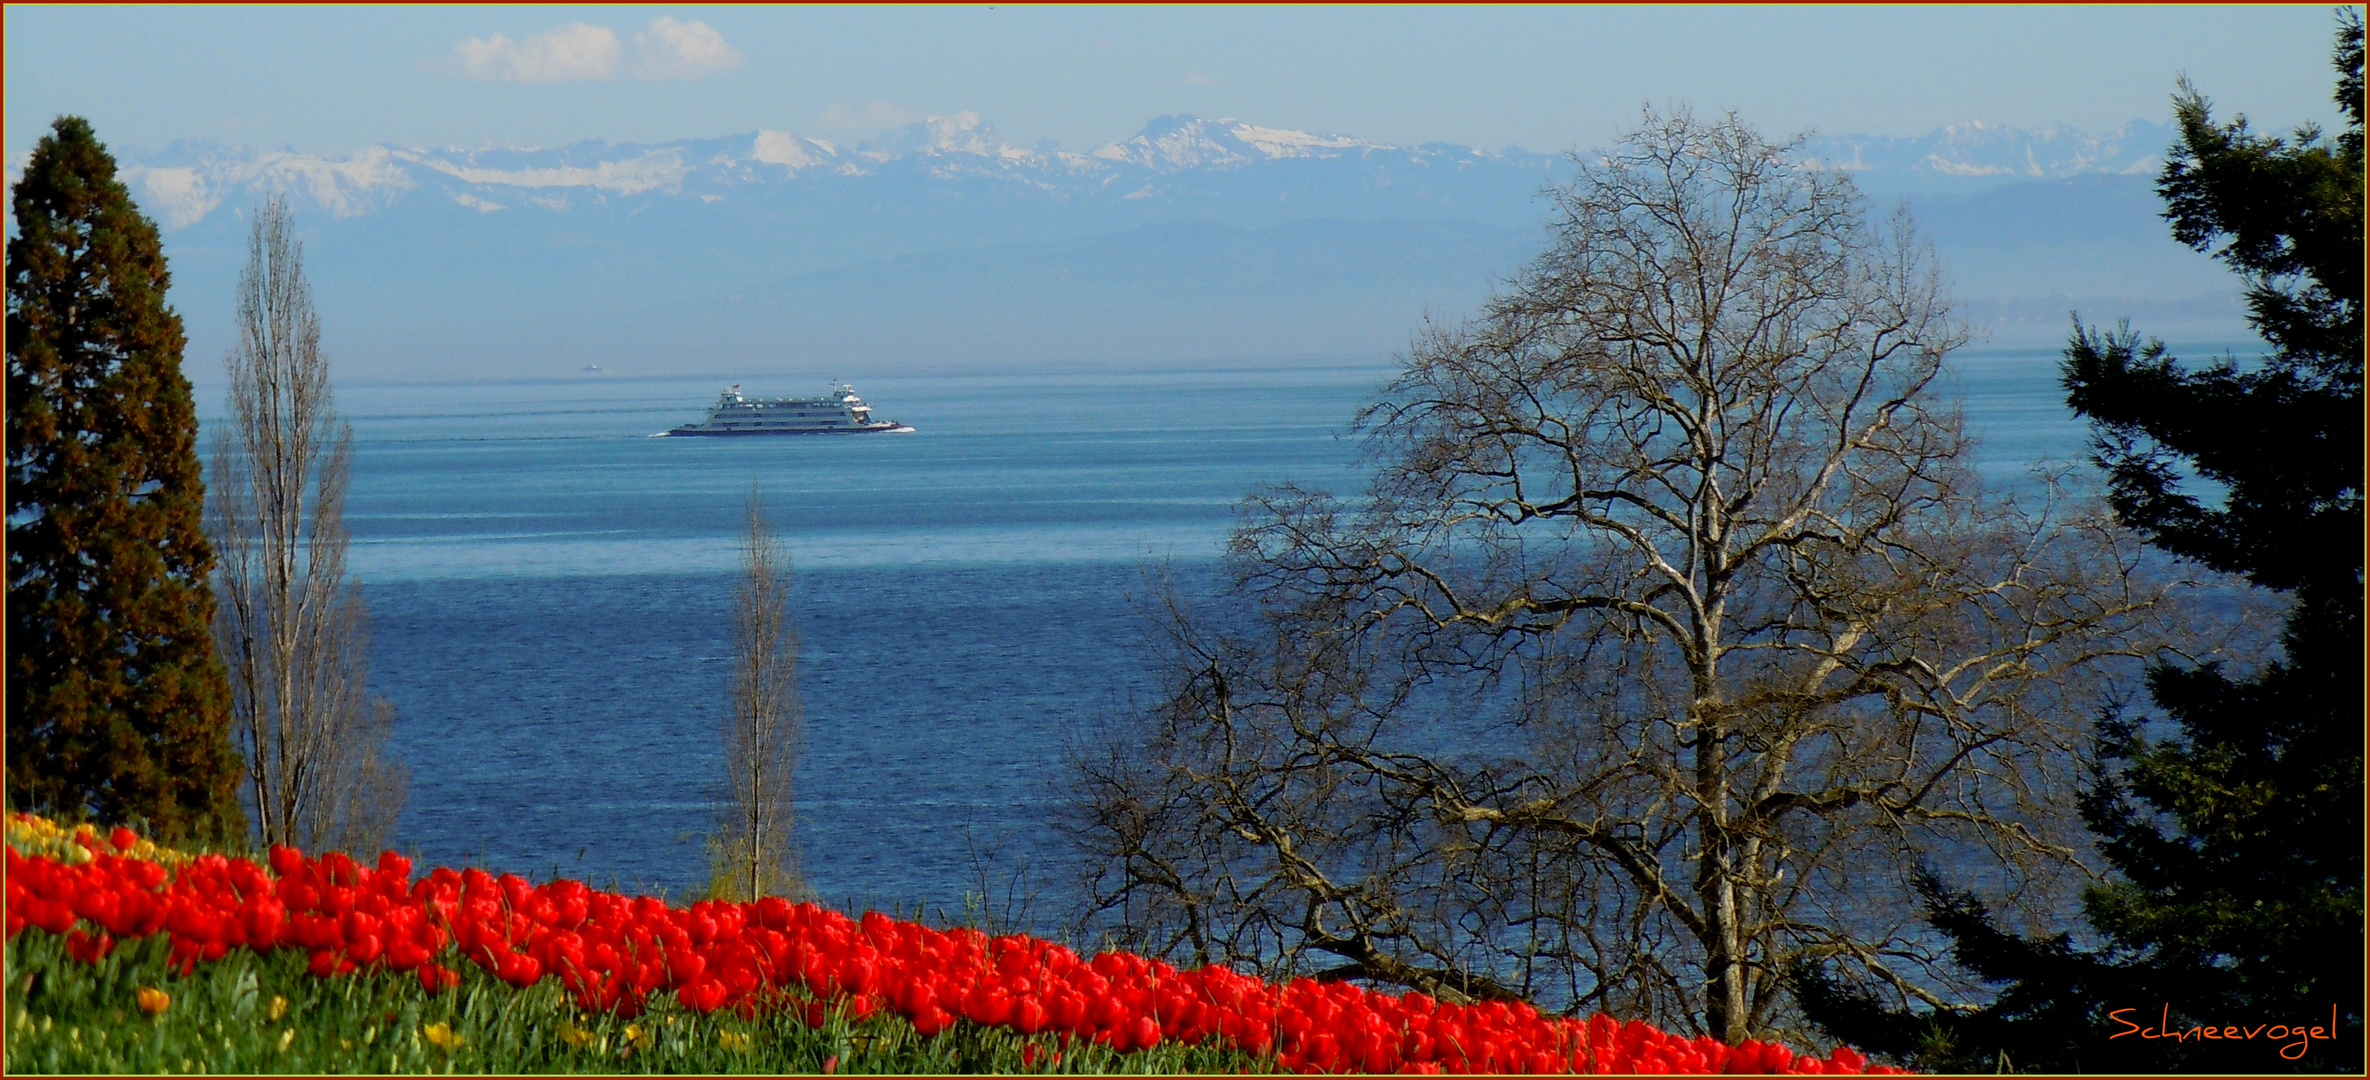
pixel 187 182
pixel 943 243
pixel 1972 156
pixel 1176 143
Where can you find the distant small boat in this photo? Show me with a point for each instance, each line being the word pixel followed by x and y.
pixel 840 412
pixel 592 367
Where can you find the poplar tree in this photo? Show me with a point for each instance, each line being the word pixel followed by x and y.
pixel 292 626
pixel 116 700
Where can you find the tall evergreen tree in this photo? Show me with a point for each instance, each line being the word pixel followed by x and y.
pixel 2233 815
pixel 117 708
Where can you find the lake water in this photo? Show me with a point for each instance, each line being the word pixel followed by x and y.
pixel 551 593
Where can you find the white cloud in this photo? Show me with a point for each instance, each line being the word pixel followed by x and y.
pixel 665 49
pixel 567 53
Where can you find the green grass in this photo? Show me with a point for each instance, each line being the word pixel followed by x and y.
pixel 67 1017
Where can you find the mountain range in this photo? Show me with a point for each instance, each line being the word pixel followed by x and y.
pixel 941 245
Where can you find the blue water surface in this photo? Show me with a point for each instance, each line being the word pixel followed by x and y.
pixel 551 594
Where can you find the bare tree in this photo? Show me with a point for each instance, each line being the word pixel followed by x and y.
pixel 753 853
pixel 291 627
pixel 1674 635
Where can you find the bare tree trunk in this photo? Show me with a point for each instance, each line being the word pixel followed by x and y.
pixel 753 854
pixel 291 629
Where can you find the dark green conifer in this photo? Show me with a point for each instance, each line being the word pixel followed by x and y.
pixel 117 708
pixel 2232 815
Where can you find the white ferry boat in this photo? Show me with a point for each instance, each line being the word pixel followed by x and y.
pixel 840 412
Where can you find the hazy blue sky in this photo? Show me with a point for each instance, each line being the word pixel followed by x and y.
pixel 329 80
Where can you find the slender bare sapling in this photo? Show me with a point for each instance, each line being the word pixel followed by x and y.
pixel 754 853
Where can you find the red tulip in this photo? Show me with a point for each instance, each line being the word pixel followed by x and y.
pixel 88 949
pixel 519 970
pixel 404 954
pixel 1029 1016
pixel 53 916
pixel 931 1021
pixel 704 996
pixel 437 978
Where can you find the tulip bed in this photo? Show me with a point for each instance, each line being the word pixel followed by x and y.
pixel 467 971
